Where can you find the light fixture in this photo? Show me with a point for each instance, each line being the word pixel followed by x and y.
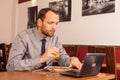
pixel 33 2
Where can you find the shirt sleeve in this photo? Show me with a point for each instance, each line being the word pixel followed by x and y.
pixel 64 59
pixel 19 59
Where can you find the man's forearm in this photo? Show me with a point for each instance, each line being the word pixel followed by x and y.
pixel 23 65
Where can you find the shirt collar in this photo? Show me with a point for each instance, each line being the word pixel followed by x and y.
pixel 37 35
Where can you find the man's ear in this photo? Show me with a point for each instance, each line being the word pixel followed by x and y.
pixel 39 22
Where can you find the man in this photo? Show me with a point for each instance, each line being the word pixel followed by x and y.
pixel 26 54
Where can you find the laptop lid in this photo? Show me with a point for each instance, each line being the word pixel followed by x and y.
pixel 91 65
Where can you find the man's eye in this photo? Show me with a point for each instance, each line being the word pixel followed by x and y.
pixel 50 22
pixel 57 23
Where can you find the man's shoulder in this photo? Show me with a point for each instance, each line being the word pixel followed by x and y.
pixel 26 31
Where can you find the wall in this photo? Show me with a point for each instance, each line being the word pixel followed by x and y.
pixel 8 20
pixel 102 29
pixel 5 21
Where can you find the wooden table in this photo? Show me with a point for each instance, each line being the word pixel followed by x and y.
pixel 117 66
pixel 48 76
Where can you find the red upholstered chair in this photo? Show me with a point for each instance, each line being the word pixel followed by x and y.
pixel 82 50
pixel 72 50
pixel 117 51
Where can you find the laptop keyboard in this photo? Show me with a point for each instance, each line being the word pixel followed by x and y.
pixel 72 71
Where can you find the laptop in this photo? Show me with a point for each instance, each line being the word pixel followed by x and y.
pixel 91 66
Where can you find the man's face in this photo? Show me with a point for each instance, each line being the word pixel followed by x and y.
pixel 49 24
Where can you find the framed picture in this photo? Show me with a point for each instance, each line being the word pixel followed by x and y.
pixel 91 7
pixel 64 9
pixel 32 16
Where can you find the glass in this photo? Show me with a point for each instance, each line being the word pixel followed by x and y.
pixel 57 55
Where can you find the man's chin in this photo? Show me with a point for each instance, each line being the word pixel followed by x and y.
pixel 51 35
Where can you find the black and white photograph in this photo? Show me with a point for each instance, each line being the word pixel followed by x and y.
pixel 64 9
pixel 93 7
pixel 32 16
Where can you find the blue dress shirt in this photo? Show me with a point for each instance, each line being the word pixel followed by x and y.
pixel 26 51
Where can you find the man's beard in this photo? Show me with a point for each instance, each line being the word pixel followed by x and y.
pixel 46 33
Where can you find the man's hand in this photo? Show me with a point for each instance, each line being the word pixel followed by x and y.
pixel 74 62
pixel 52 52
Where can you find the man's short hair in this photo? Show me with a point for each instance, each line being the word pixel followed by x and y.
pixel 43 12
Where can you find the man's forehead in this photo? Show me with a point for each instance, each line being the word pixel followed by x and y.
pixel 51 13
pixel 52 16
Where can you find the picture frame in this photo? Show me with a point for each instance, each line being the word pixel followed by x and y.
pixel 93 7
pixel 32 16
pixel 64 9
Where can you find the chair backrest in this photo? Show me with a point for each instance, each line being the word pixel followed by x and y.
pixel 3 57
pixel 72 50
pixel 4 52
pixel 110 57
pixel 8 47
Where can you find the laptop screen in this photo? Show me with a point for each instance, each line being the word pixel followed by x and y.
pixel 92 64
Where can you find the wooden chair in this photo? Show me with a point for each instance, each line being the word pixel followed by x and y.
pixel 8 47
pixel 3 57
pixel 4 52
pixel 110 59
